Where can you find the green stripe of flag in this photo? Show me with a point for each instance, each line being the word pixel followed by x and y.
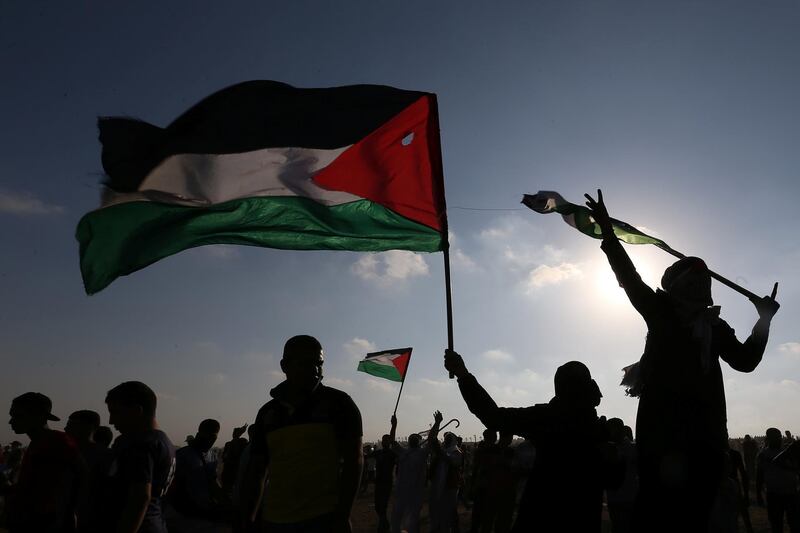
pixel 380 370
pixel 123 238
pixel 579 217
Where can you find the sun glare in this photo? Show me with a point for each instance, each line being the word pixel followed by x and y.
pixel 607 289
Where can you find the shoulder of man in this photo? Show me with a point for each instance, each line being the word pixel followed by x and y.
pixel 343 408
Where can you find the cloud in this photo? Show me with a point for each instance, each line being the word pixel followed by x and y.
pixel 337 382
pixel 458 256
pixel 166 396
pixel 357 347
pixel 434 382
pixel 498 356
pixel 544 275
pixel 791 348
pixel 387 268
pixel 381 386
pixel 530 375
pixel 14 203
pixel 463 261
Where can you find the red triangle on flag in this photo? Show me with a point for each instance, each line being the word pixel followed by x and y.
pixel 397 166
pixel 401 363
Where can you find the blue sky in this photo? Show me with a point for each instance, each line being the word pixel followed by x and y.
pixel 685 113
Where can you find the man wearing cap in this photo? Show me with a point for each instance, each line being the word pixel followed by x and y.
pixel 52 471
pixel 309 439
pixel 681 430
pixel 574 459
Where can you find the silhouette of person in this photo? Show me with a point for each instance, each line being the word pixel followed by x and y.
pixel 309 439
pixel 749 453
pixel 385 462
pixel 737 472
pixel 681 428
pixel 195 493
pixel 483 462
pixel 82 427
pixel 446 467
pixel 501 494
pixel 52 473
pixel 231 455
pixel 103 436
pixel 574 461
pixel 621 500
pixel 142 467
pixel 780 480
pixel 412 463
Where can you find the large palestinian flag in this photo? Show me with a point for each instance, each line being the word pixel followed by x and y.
pixel 262 163
pixel 388 364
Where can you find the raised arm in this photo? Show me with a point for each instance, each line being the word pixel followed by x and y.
pixel 745 356
pixel 433 434
pixel 393 430
pixel 639 293
pixel 519 421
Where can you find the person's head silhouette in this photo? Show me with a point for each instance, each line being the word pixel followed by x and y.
pixel 688 280
pixel 616 430
pixel 81 425
pixel 414 440
pixel 302 362
pixel 489 436
pixel 386 442
pixel 132 407
pixel 103 436
pixel 30 413
pixel 206 436
pixel 774 438
pixel 575 387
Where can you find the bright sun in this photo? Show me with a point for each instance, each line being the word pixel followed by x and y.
pixel 607 288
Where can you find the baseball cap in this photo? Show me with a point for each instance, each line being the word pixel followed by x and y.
pixel 35 402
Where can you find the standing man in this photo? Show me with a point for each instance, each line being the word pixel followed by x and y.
pixel 681 424
pixel 781 483
pixel 308 437
pixel 142 466
pixel 412 465
pixel 385 461
pixel 52 473
pixel 446 470
pixel 574 461
pixel 195 494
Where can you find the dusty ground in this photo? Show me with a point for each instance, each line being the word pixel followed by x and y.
pixel 364 519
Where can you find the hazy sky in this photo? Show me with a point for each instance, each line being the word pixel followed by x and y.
pixel 685 113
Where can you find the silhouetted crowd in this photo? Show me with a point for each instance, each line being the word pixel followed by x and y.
pixel 304 462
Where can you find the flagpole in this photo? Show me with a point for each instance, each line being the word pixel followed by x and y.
pixel 448 298
pixel 401 386
pixel 724 281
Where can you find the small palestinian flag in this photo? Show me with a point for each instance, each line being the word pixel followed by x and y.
pixel 580 218
pixel 263 163
pixel 389 364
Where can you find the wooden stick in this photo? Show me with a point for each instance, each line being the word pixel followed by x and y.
pixel 449 299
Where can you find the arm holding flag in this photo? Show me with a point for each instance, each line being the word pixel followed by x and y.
pixel 639 293
pixel 743 357
pixel 517 420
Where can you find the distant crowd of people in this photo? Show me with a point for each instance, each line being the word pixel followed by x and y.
pixel 301 467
